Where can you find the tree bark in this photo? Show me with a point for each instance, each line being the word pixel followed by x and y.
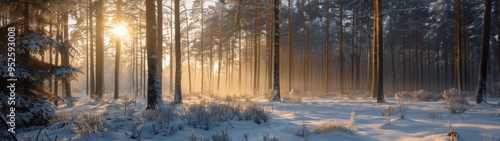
pixel 159 40
pixel 178 73
pixel 458 45
pixel 99 88
pixel 485 54
pixel 276 41
pixel 378 34
pixel 154 89
pixel 118 51
pixel 341 50
pixel 327 46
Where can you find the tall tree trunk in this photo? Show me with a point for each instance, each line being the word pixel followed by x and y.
pixel 154 89
pixel 65 60
pixel 378 34
pixel 290 47
pixel 188 46
pixel 87 32
pixel 327 46
pixel 404 51
pixel 428 60
pixel 276 41
pixel 341 50
pixel 353 53
pixel 159 40
pixel 118 51
pixel 178 73
pixel 458 44
pixel 219 65
pixel 498 49
pixel 256 49
pixel 202 46
pixel 393 67
pixel 100 49
pixel 485 53
pixel 171 25
pixel 304 48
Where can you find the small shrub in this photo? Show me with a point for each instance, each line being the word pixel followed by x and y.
pixel 253 112
pixel 223 136
pixel 246 136
pixel 162 116
pixel 404 95
pixel 135 132
pixel 421 95
pixel 268 138
pixel 126 105
pixel 295 96
pixel 457 105
pixel 91 122
pixel 401 109
pixel 303 131
pixel 433 116
pixel 269 95
pixel 388 111
pixel 351 123
pixel 457 101
pixel 197 115
pixel 192 136
pixel 332 126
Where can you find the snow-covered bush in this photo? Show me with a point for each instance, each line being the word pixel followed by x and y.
pixel 338 126
pixel 198 116
pixel 135 132
pixel 457 101
pixel 223 136
pixel 351 123
pixel 388 111
pixel 246 136
pixel 419 95
pixel 90 122
pixel 162 115
pixel 208 114
pixel 192 136
pixel 303 130
pixel 332 126
pixel 254 112
pixel 222 112
pixel 404 95
pixel 401 109
pixel 457 108
pixel 268 138
pixel 433 116
pixel 295 96
pixel 269 95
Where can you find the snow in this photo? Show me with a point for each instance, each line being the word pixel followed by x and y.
pixel 478 123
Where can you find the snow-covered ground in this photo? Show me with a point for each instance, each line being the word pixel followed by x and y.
pixel 478 123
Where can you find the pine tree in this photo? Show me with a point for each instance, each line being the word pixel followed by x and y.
pixel 178 72
pixel 276 85
pixel 154 89
pixel 377 88
pixel 485 53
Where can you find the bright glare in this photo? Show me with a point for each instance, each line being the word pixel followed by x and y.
pixel 120 30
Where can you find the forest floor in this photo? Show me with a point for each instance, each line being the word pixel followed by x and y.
pixel 477 123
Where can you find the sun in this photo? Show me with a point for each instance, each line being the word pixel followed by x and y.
pixel 120 30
